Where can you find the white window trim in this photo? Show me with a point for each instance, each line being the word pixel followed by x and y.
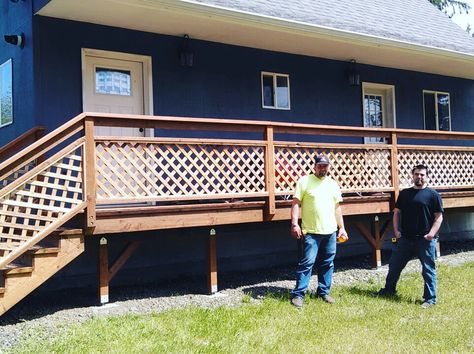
pixel 385 91
pixel 275 75
pixel 436 108
pixel 8 62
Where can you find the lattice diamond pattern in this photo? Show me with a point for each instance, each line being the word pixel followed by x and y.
pixel 140 170
pixel 353 169
pixel 28 209
pixel 17 174
pixel 447 168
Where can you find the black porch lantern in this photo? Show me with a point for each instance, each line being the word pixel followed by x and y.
pixel 186 55
pixel 354 76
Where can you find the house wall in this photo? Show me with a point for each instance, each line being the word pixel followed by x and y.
pixel 16 18
pixel 225 80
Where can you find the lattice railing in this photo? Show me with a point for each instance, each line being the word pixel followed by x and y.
pixel 355 169
pixel 143 171
pixel 449 167
pixel 14 175
pixel 42 201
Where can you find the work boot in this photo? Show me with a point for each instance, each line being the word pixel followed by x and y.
pixel 297 302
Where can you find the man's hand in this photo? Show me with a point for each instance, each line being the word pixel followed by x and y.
pixel 429 237
pixel 342 235
pixel 397 234
pixel 296 231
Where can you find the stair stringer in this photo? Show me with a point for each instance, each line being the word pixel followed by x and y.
pixel 45 265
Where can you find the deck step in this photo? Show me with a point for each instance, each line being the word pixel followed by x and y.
pixel 17 268
pixel 36 249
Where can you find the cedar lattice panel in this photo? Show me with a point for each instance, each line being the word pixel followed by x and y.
pixel 17 174
pixel 127 170
pixel 448 168
pixel 353 169
pixel 43 199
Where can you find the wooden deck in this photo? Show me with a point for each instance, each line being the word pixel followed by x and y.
pixel 209 172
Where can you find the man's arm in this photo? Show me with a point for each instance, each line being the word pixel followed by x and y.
pixel 396 222
pixel 340 222
pixel 295 214
pixel 438 219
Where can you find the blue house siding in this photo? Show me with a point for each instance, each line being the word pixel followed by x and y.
pixel 15 20
pixel 225 80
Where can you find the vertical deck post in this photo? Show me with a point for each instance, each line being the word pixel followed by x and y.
pixel 270 172
pixel 394 166
pixel 103 271
pixel 212 262
pixel 377 261
pixel 90 183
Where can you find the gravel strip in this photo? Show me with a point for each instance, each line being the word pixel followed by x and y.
pixel 49 313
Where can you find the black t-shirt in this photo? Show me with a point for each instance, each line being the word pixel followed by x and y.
pixel 418 207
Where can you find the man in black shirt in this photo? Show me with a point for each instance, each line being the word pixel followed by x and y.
pixel 417 217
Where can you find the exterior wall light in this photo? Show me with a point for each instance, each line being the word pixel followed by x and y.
pixel 15 39
pixel 354 76
pixel 186 54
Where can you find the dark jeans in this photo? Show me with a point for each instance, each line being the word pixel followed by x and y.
pixel 324 247
pixel 404 250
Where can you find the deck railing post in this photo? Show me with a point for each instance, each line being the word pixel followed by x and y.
pixel 90 183
pixel 270 172
pixel 394 167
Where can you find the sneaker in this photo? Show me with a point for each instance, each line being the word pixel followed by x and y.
pixel 327 298
pixel 297 302
pixel 385 292
pixel 426 304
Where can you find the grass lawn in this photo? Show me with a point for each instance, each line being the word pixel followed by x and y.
pixel 358 323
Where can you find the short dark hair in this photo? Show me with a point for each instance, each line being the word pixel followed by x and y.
pixel 420 167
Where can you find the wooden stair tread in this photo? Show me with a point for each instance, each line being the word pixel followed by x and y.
pixel 17 268
pixel 38 249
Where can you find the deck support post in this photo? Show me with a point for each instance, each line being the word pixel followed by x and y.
pixel 375 237
pixel 212 262
pixel 103 271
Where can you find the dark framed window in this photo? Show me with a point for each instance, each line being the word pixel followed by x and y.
pixel 437 110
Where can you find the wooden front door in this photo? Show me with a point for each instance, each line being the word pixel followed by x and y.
pixel 114 83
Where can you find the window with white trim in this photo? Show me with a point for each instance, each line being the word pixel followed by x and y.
pixel 275 90
pixel 436 110
pixel 6 93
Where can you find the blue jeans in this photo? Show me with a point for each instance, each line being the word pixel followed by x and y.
pixel 402 252
pixel 323 246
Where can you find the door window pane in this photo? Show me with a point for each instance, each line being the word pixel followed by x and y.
pixel 113 82
pixel 430 111
pixel 6 93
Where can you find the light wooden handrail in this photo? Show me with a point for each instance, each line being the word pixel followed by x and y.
pixel 20 142
pixel 41 147
pixel 243 125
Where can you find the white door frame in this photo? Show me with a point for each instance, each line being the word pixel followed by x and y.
pixel 147 75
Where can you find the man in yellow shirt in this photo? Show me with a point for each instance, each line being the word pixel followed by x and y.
pixel 318 196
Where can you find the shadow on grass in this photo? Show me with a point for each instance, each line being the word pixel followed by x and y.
pixel 274 292
pixel 370 293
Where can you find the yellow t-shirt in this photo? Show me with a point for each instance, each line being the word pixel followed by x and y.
pixel 318 197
